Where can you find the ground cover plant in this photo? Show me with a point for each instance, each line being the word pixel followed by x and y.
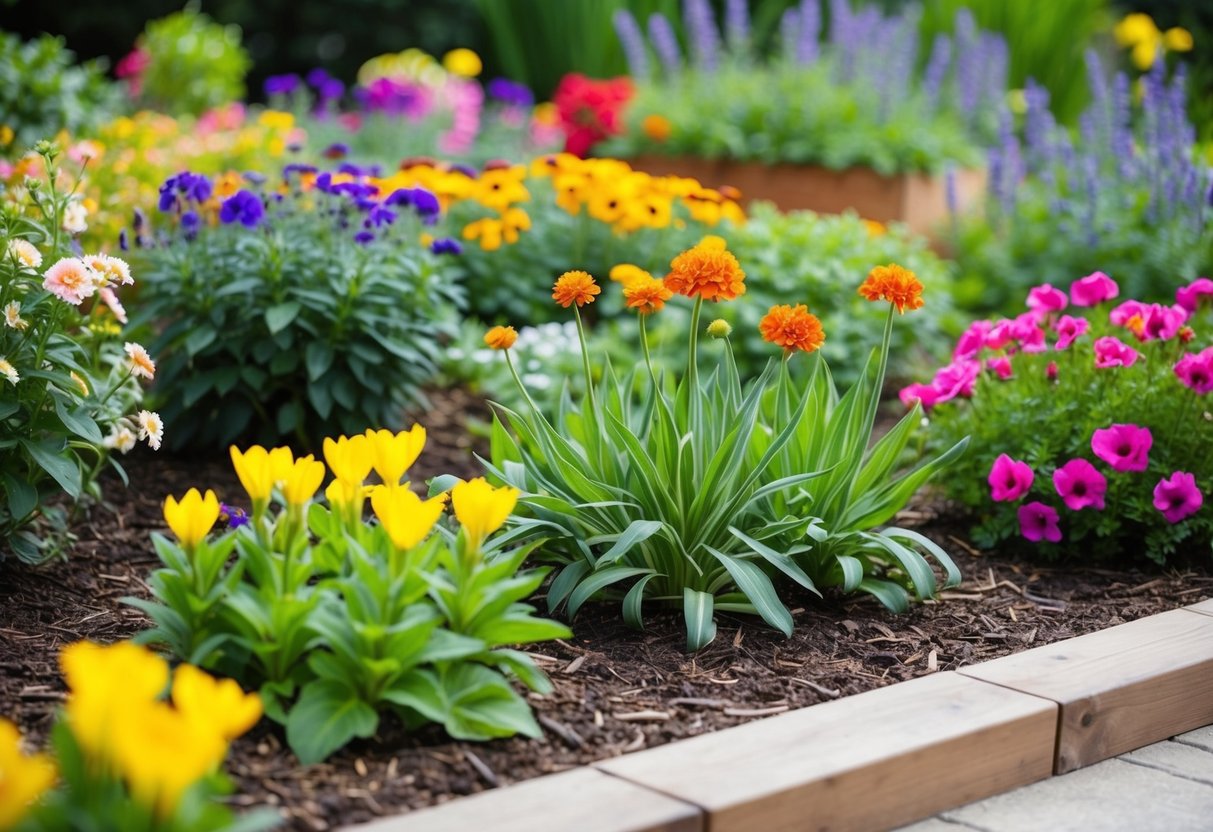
pixel 853 98
pixel 306 329
pixel 336 620
pixel 698 492
pixel 1090 423
pixel 72 387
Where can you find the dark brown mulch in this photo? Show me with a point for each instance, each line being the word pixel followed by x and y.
pixel 616 690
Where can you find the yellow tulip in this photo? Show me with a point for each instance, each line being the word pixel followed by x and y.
pixel 106 682
pixel 217 703
pixel 392 454
pixel 192 518
pixel 463 62
pixel 1134 29
pixel 405 516
pixel 349 458
pixel 482 509
pixel 255 473
pixel 22 778
pixel 302 479
pixel 281 462
pixel 344 496
pixel 1178 39
pixel 1144 53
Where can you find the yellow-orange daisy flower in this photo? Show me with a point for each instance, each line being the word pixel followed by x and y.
pixel 895 284
pixel 708 270
pixel 793 328
pixel 646 295
pixel 501 337
pixel 575 287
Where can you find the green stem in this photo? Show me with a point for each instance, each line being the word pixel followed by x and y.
pixel 585 362
pixel 648 358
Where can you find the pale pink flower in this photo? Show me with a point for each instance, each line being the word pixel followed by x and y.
pixel 111 300
pixel 70 280
pixel 142 365
pixel 25 253
pixel 12 316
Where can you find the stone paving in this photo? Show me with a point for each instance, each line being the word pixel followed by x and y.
pixel 1166 787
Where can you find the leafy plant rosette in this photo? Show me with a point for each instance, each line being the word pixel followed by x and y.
pixel 1090 422
pixel 336 620
pixel 135 748
pixel 701 493
pixel 69 389
pixel 284 311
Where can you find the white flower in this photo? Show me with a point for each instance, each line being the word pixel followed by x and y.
pixel 9 371
pixel 121 438
pixel 108 271
pixel 25 253
pixel 151 428
pixel 75 218
pixel 12 316
pixel 141 363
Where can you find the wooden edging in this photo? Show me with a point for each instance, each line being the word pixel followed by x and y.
pixel 884 758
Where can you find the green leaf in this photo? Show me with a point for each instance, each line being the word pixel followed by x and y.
pixel 697 610
pixel 77 420
pixel 779 560
pixel 852 572
pixel 637 532
pixel 757 587
pixel 633 603
pixel 318 357
pixel 199 339
pixel 279 317
pixel 600 579
pixel 327 716
pixel 22 497
pixel 63 469
pixel 887 593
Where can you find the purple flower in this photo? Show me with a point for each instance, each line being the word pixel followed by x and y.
pixel 445 245
pixel 1009 479
pixel 1080 486
pixel 244 207
pixel 515 94
pixel 1195 370
pixel 318 77
pixel 379 216
pixel 1093 289
pixel 363 237
pixel 937 69
pixel 122 241
pixel 1069 329
pixel 281 84
pixel 336 150
pixel 737 24
pixel 234 516
pixel 189 224
pixel 1039 522
pixel 193 187
pixel 1123 447
pixel 295 167
pixel 665 43
pixel 632 40
pixel 700 26
pixel 808 31
pixel 139 220
pixel 1177 496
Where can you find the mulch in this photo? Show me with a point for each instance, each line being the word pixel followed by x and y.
pixel 616 690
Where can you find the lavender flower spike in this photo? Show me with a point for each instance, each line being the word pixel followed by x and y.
pixel 810 31
pixel 703 35
pixel 789 33
pixel 632 41
pixel 665 44
pixel 737 25
pixel 937 69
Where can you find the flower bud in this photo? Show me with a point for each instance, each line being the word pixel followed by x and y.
pixel 720 328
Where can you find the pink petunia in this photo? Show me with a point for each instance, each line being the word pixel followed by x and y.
pixel 1000 366
pixel 922 393
pixel 1121 314
pixel 1177 496
pixel 956 379
pixel 1044 300
pixel 1000 334
pixel 1026 330
pixel 1069 330
pixel 1158 323
pixel 1123 447
pixel 1112 352
pixel 1093 290
pixel 1038 522
pixel 1195 370
pixel 70 280
pixel 1189 297
pixel 1080 486
pixel 1009 479
pixel 972 340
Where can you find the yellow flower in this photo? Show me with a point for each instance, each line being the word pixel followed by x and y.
pixel 346 498
pixel 1177 39
pixel 255 472
pixel 281 462
pixel 1135 29
pixel 393 454
pixel 349 458
pixel 606 206
pixel 6 138
pixel 105 680
pixel 501 187
pixel 626 273
pixel 720 328
pixel 276 120
pixel 500 337
pixel 406 518
pixel 192 518
pixel 219 704
pixel 302 480
pixel 1144 53
pixel 463 62
pixel 22 778
pixel 482 509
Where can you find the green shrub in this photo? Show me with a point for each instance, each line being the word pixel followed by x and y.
pixel 193 63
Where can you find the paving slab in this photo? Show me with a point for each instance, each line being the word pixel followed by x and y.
pixel 1201 738
pixel 1176 758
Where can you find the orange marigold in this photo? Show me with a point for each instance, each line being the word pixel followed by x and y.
pixel 708 270
pixel 501 337
pixel 656 127
pixel 575 287
pixel 898 285
pixel 793 328
pixel 646 295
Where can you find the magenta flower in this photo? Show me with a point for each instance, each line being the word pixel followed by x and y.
pixel 974 338
pixel 1044 300
pixel 956 379
pixel 1039 522
pixel 1093 290
pixel 922 393
pixel 1177 496
pixel 1158 323
pixel 1121 314
pixel 1189 296
pixel 1000 334
pixel 1112 352
pixel 1000 366
pixel 1124 447
pixel 1051 371
pixel 1069 329
pixel 1009 479
pixel 1195 370
pixel 1080 486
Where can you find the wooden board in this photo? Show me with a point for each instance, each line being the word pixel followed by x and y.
pixel 876 760
pixel 581 799
pixel 1120 688
pixel 1205 607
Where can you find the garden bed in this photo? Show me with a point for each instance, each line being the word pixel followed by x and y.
pixel 616 690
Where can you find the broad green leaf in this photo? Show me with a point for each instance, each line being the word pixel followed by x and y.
pixel 697 608
pixel 327 716
pixel 637 532
pixel 757 587
pixel 280 316
pixel 633 603
pixel 599 580
pixel 63 469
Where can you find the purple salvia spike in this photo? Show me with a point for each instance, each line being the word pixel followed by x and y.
pixel 808 32
pixel 632 41
pixel 840 16
pixel 665 44
pixel 949 189
pixel 702 34
pixel 968 61
pixel 937 70
pixel 789 33
pixel 737 26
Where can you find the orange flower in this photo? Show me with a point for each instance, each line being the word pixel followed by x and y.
pixel 708 270
pixel 656 127
pixel 626 273
pixel 501 337
pixel 646 295
pixel 575 287
pixel 793 328
pixel 898 285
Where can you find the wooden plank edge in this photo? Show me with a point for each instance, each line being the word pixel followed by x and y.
pixel 1203 607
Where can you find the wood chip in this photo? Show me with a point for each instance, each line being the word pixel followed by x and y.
pixel 486 773
pixel 933 661
pixel 700 703
pixel 570 737
pixel 574 665
pixel 643 716
pixel 360 767
pixel 755 712
pixel 822 689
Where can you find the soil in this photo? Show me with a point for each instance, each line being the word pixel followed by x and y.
pixel 616 690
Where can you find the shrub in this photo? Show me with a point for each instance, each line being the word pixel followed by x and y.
pixel 336 620
pixel 71 390
pixel 697 493
pixel 282 314
pixel 1080 420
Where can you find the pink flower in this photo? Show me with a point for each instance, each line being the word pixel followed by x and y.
pixel 1009 479
pixel 1189 296
pixel 1124 447
pixel 1080 486
pixel 70 280
pixel 1000 334
pixel 1158 323
pixel 956 379
pixel 1195 370
pixel 1069 329
pixel 1121 314
pixel 1044 300
pixel 923 393
pixel 1093 290
pixel 1028 333
pixel 1112 352
pixel 115 305
pixel 1039 522
pixel 1001 366
pixel 1051 371
pixel 1177 496
pixel 974 338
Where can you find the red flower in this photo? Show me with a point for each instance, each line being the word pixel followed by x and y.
pixel 590 110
